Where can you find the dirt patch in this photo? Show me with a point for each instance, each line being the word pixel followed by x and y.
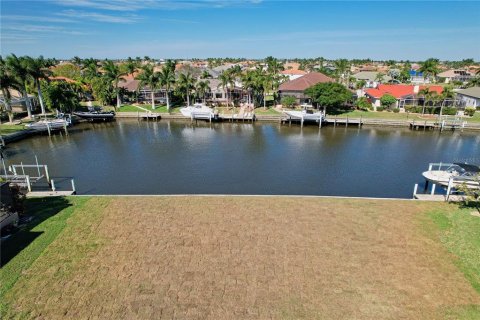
pixel 249 258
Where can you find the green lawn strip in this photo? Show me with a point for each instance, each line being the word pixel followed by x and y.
pixel 64 253
pixel 459 232
pixel 475 118
pixel 11 128
pixel 50 217
pixel 269 111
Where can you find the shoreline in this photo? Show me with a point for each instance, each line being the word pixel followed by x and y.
pixel 330 121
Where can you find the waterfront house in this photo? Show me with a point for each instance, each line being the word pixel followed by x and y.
pixel 469 97
pixel 293 74
pixel 371 78
pixel 454 75
pixel 297 86
pixel 401 92
pixel 17 102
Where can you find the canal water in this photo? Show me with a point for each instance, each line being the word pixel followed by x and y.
pixel 175 157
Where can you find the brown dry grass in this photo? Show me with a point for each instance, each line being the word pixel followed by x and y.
pixel 248 258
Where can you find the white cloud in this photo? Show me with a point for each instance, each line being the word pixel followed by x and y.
pixel 100 17
pixel 134 5
pixel 36 19
pixel 30 28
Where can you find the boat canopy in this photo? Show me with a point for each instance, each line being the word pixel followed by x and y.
pixel 468 167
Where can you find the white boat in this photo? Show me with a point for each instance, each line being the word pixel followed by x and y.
pixel 198 111
pixel 52 124
pixel 458 173
pixel 305 115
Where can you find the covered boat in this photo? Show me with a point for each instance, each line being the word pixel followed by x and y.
pixel 198 111
pixel 96 115
pixel 59 123
pixel 458 173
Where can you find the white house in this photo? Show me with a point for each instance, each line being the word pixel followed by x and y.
pixel 371 78
pixel 470 96
pixel 455 75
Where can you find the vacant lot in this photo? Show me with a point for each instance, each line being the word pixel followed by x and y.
pixel 245 257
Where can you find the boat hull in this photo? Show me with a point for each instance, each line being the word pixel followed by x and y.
pixel 305 116
pixel 442 177
pixel 45 125
pixel 107 116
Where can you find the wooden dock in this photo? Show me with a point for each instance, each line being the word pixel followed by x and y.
pixel 49 193
pixel 440 197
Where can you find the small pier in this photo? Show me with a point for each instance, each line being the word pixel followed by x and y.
pixel 444 190
pixel 151 116
pixel 35 180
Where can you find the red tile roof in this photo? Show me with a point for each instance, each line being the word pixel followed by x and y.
pixel 304 82
pixel 399 90
pixel 293 72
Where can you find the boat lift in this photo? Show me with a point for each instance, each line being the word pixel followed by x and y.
pixel 23 177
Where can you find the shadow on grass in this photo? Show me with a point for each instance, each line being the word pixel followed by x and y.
pixel 474 205
pixel 39 209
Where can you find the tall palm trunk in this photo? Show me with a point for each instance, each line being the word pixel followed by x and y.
pixel 265 100
pixel 152 95
pixel 118 95
pixel 168 100
pixel 8 107
pixel 188 99
pixel 27 103
pixel 40 96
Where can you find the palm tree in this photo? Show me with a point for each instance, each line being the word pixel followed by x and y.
pixel 7 82
pixel 20 74
pixel 185 83
pixel 205 74
pixel 77 61
pixel 114 74
pixel 424 93
pixel 37 69
pixel 202 88
pixel 167 80
pixel 379 77
pixel 148 77
pixel 130 66
pixel 342 68
pixel 447 93
pixel 90 68
pixel 248 82
pixel 430 68
pixel 225 80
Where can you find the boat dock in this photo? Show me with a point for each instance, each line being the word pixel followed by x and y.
pixel 443 190
pixel 35 180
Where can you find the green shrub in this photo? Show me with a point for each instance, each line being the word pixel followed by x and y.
pixel 289 101
pixel 449 111
pixel 362 103
pixel 380 108
pixel 396 110
pixel 469 111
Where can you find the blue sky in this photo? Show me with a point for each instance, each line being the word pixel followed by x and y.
pixel 254 29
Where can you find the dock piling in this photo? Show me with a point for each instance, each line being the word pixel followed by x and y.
pixel 53 185
pixel 433 189
pixel 73 186
pixel 415 188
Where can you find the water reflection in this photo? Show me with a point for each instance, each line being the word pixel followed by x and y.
pixel 136 157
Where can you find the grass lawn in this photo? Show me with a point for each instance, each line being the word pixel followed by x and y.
pixel 396 116
pixel 11 128
pixel 158 109
pixel 475 118
pixel 269 111
pixel 243 257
